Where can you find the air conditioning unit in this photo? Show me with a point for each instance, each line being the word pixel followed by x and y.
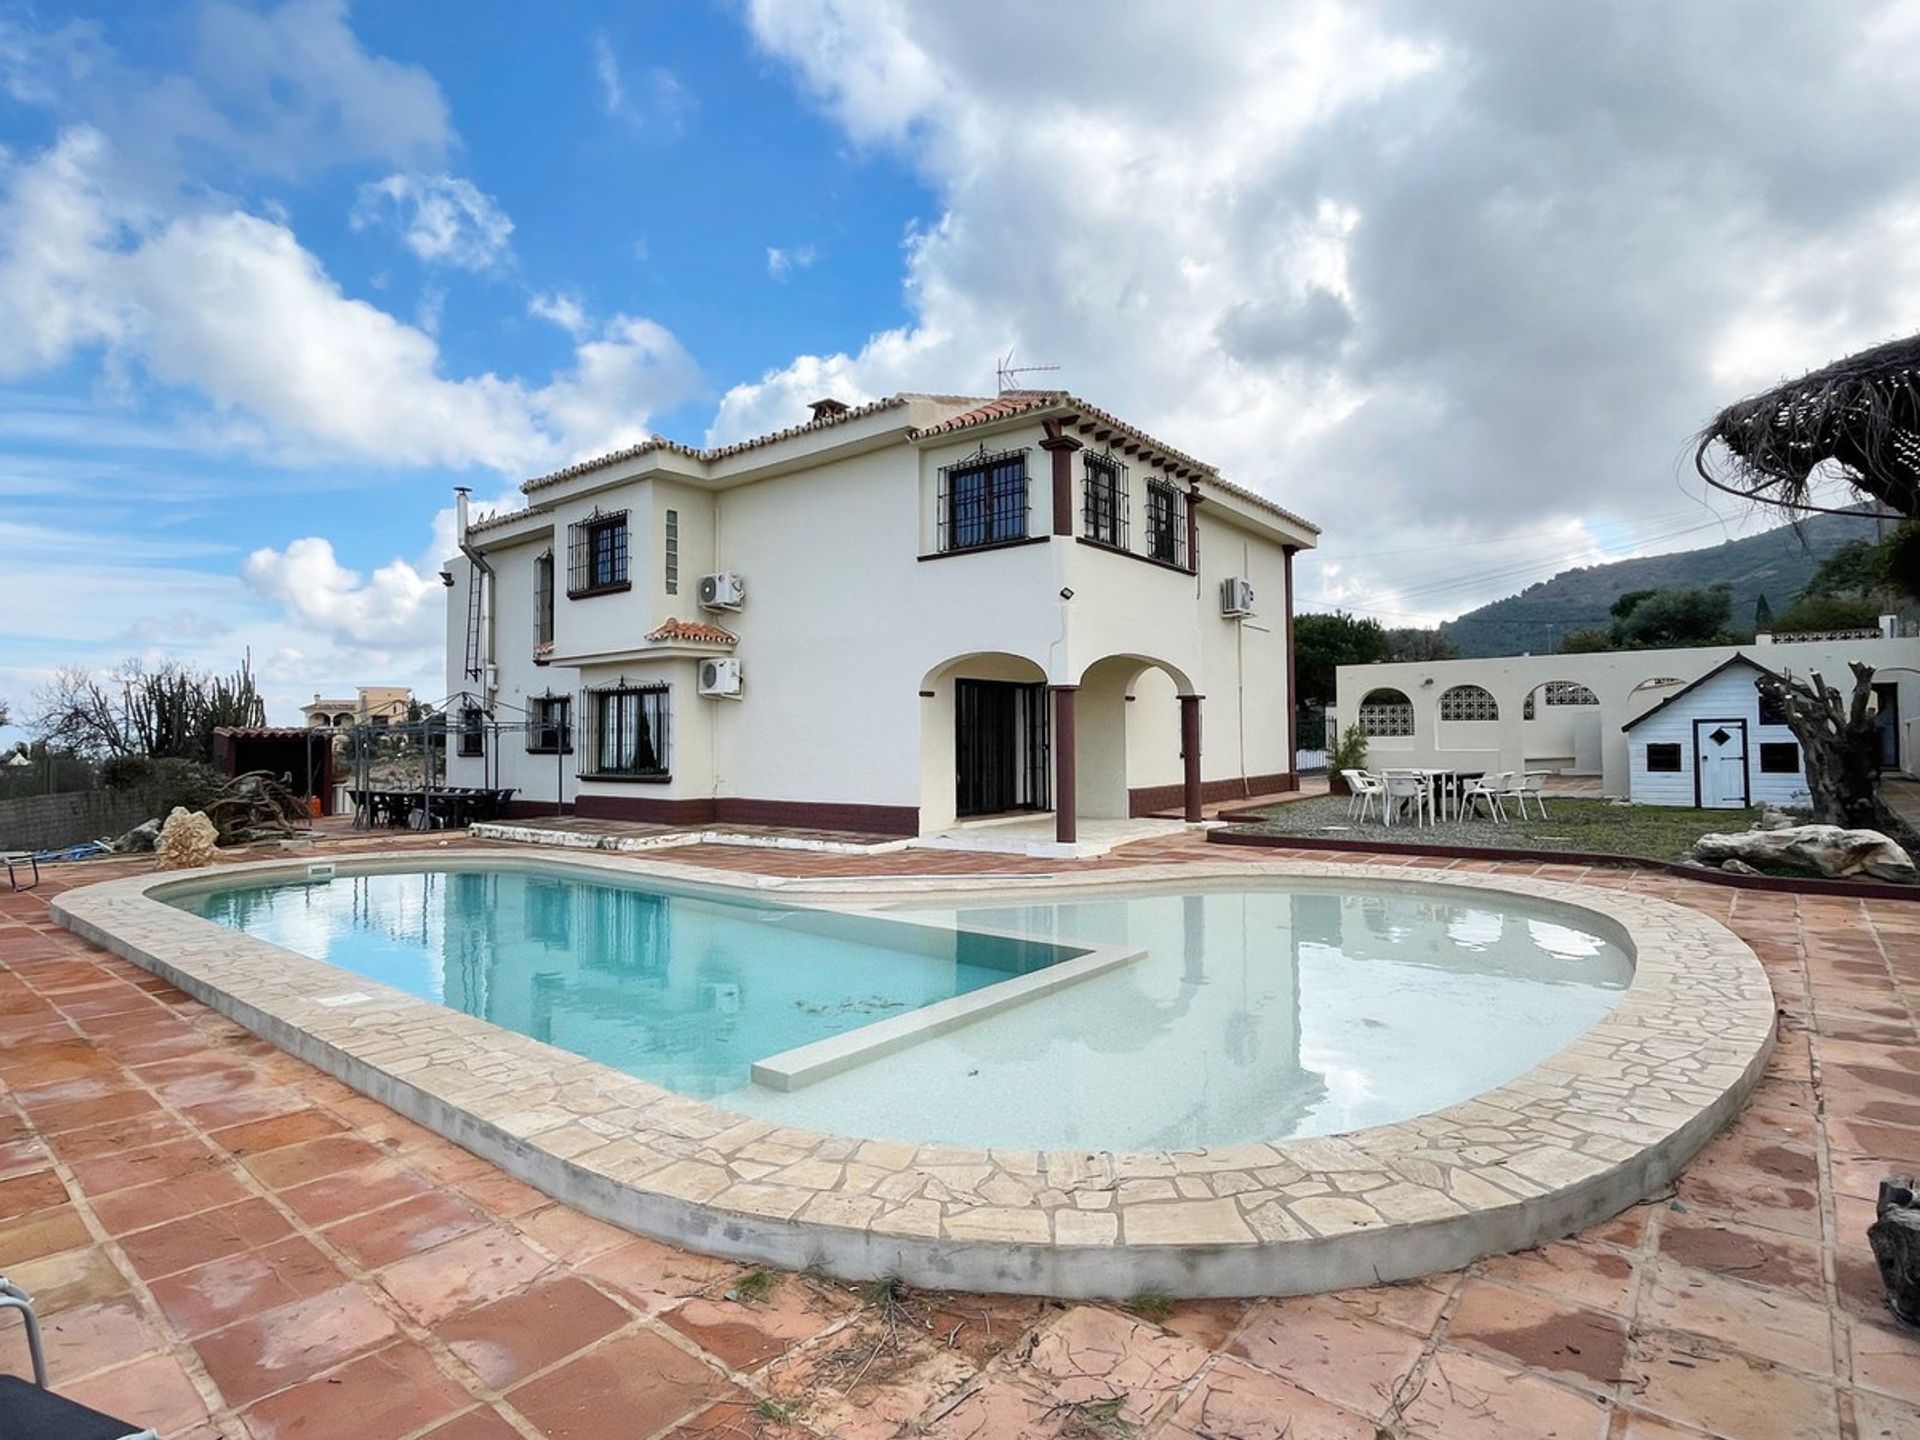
pixel 725 590
pixel 1236 597
pixel 720 679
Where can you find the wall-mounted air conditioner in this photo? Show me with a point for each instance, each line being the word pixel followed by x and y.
pixel 725 590
pixel 1236 597
pixel 720 679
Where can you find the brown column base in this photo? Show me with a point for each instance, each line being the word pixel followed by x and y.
pixel 1190 758
pixel 1066 800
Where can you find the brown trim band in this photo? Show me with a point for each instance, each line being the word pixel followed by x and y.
pixel 1153 799
pixel 730 810
pixel 535 809
pixel 985 549
pixel 1135 555
pixel 1776 884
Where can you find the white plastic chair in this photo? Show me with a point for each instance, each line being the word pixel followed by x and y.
pixel 1404 785
pixel 1362 791
pixel 1488 790
pixel 1533 783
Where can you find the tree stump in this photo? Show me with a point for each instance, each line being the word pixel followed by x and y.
pixel 1895 1238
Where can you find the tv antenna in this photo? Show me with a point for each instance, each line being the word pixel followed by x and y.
pixel 1008 374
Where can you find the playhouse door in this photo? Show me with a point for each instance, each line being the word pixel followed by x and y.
pixel 1720 763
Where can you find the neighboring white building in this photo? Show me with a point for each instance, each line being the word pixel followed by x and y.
pixel 1715 744
pixel 1570 713
pixel 889 618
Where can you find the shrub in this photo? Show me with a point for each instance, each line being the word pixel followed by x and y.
pixel 1350 752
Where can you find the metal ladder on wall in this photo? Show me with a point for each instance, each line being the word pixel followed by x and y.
pixel 475 580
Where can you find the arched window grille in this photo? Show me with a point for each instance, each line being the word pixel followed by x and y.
pixel 1385 713
pixel 1560 692
pixel 1468 702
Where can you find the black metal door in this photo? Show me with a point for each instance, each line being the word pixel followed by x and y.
pixel 1889 720
pixel 1000 742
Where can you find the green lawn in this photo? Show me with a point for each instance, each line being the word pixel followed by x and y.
pixel 1592 827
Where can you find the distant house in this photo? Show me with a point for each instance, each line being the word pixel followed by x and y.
pixel 1575 714
pixel 1718 744
pixel 374 704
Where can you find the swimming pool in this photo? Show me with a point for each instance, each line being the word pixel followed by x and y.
pixel 1219 1014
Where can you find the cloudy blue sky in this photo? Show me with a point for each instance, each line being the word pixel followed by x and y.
pixel 1456 282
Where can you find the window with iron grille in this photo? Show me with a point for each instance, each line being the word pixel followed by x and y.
pixel 1560 692
pixel 473 731
pixel 627 733
pixel 550 725
pixel 1386 713
pixel 1166 524
pixel 597 555
pixel 983 500
pixel 543 599
pixel 1103 505
pixel 1468 702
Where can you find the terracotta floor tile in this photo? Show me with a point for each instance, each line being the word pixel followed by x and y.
pixel 1234 1399
pixel 381 1236
pixel 999 1408
pixel 154 1127
pixel 475 1269
pixel 1463 1397
pixel 1878 1417
pixel 195 1239
pixel 69 1279
pixel 96 1337
pixel 155 1392
pixel 747 1334
pixel 278 1348
pixel 1766 1323
pixel 1092 1353
pixel 1560 1341
pixel 229 1290
pixel 1324 1350
pixel 1758 1256
pixel 96 1110
pixel 644 1379
pixel 353 1192
pixel 1886 1358
pixel 572 1236
pixel 1414 1305
pixel 870 1380
pixel 1699 1384
pixel 174 1161
pixel 41 1232
pixel 739 1419
pixel 255 1137
pixel 382 1396
pixel 1593 1276
pixel 653 1277
pixel 40 1190
pixel 145 1205
pixel 509 1340
pixel 297 1164
pixel 483 1423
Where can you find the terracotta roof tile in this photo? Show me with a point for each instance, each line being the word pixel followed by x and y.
pixel 691 631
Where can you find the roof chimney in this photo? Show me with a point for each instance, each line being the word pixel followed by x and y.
pixel 828 409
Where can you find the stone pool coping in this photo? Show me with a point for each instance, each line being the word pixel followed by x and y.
pixel 1598 1126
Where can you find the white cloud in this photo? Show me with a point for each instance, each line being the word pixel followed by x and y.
pixel 1426 274
pixel 396 605
pixel 660 102
pixel 441 218
pixel 208 301
pixel 781 263
pixel 560 309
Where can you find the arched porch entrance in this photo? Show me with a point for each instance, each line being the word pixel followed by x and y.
pixel 999 738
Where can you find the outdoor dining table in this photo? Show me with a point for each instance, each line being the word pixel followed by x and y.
pixel 448 806
pixel 1448 785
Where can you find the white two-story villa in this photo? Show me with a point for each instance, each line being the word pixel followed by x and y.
pixel 892 618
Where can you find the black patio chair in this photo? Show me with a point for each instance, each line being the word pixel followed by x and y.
pixel 30 1411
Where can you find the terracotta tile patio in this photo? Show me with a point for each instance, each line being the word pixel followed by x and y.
pixel 225 1242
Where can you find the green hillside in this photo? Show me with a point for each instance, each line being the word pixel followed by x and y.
pixel 1775 563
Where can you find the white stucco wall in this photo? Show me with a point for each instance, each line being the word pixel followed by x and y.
pixel 1618 678
pixel 851 614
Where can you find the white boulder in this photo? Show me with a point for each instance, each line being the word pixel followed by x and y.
pixel 186 840
pixel 1826 848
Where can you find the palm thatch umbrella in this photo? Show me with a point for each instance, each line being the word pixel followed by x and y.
pixel 1861 413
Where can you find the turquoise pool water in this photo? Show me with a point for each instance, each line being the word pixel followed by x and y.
pixel 683 991
pixel 1252 1014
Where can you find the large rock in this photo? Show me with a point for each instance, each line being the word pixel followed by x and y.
pixel 141 837
pixel 1826 848
pixel 186 840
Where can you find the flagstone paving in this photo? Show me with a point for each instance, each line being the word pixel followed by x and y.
pixel 225 1242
